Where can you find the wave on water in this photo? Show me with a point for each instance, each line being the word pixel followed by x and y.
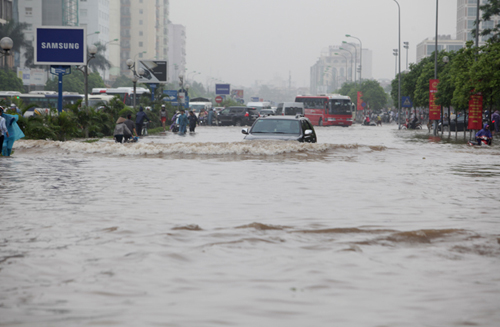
pixel 460 241
pixel 259 148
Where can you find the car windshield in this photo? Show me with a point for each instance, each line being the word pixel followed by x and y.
pixel 266 111
pixel 278 126
pixel 339 107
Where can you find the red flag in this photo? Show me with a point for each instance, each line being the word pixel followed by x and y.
pixel 434 109
pixel 360 102
pixel 475 111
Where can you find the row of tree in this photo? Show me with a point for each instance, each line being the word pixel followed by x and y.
pixel 470 70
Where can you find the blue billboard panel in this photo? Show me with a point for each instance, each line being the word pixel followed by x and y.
pixel 170 95
pixel 222 89
pixel 60 45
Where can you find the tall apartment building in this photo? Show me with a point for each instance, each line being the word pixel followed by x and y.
pixel 445 42
pixel 331 70
pixel 135 29
pixel 466 17
pixel 6 9
pixel 143 30
pixel 176 51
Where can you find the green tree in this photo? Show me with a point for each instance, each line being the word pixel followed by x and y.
pixel 490 9
pixel 99 62
pixel 485 74
pixel 122 81
pixel 10 82
pixel 373 93
pixel 421 94
pixel 16 32
pixel 75 82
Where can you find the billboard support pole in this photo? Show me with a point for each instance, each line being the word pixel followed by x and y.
pixel 60 71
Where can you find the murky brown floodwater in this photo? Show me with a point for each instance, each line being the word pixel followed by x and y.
pixel 369 227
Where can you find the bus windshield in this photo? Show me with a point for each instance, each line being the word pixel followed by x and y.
pixel 339 107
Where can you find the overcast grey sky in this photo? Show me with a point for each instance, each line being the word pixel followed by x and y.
pixel 243 41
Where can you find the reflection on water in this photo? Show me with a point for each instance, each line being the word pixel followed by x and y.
pixel 369 227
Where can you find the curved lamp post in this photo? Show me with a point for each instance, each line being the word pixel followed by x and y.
pixel 339 54
pixel 360 57
pixel 399 75
pixel 406 45
pixel 355 59
pixel 136 75
pixel 351 59
pixel 92 50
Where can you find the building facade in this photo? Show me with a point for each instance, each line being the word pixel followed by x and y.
pixel 176 51
pixel 338 65
pixel 466 18
pixel 445 42
pixel 143 31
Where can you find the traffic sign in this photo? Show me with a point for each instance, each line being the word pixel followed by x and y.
pixel 406 102
pixel 218 99
pixel 222 89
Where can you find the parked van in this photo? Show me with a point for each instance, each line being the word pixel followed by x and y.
pixel 198 106
pixel 290 109
pixel 259 105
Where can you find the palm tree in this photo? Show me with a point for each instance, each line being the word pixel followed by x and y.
pixel 99 62
pixel 15 32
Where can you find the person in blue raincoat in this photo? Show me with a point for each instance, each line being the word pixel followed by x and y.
pixel 183 121
pixel 485 132
pixel 15 133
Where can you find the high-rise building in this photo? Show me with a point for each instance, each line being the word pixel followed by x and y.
pixel 130 29
pixel 466 18
pixel 5 11
pixel 143 31
pixel 336 66
pixel 176 51
pixel 445 42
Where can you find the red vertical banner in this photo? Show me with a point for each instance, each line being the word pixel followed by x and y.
pixel 360 102
pixel 434 109
pixel 475 111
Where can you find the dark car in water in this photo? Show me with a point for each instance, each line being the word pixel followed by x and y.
pixel 287 128
pixel 237 116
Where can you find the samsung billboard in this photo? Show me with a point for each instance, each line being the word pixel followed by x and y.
pixel 60 45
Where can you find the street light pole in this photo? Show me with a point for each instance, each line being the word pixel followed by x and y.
pixel 136 75
pixel 351 59
pixel 395 53
pixel 436 57
pixel 92 52
pixel 360 58
pixel 406 46
pixel 339 54
pixel 355 59
pixel 399 75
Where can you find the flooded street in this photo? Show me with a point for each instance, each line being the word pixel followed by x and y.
pixel 371 226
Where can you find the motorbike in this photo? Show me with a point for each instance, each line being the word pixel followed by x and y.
pixel 368 123
pixel 408 125
pixel 483 140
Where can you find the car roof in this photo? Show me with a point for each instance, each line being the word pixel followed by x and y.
pixel 284 117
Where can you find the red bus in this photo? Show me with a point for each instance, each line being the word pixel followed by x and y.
pixel 327 110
